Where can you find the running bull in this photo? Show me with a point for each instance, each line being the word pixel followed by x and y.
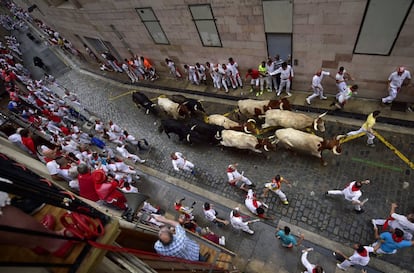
pixel 306 143
pixel 240 140
pixel 288 119
pixel 251 107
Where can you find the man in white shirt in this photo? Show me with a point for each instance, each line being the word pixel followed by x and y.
pixel 271 80
pixel 179 162
pixel 317 86
pixel 405 223
pixel 192 74
pixel 237 179
pixel 340 78
pixel 211 215
pixel 237 221
pixel 286 75
pixel 359 257
pixel 352 192
pixel 201 71
pixel 234 67
pixel 395 81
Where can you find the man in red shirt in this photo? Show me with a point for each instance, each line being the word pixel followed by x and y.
pixel 86 183
pixel 28 141
pixel 255 78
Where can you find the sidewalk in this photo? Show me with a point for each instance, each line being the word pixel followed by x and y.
pixel 356 108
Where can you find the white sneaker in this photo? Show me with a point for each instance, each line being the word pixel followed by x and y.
pixel 307 250
pixel 323 98
pixel 340 267
pixel 250 231
pixel 308 101
pixel 142 161
pixel 278 94
pixel 222 241
pixel 289 94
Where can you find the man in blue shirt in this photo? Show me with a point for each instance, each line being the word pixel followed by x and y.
pixel 288 240
pixel 176 244
pixel 389 243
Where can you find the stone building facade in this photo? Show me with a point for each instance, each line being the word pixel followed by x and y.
pixel 316 33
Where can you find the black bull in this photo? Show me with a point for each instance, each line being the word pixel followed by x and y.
pixel 144 101
pixel 195 131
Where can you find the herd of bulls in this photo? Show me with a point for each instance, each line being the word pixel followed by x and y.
pixel 189 121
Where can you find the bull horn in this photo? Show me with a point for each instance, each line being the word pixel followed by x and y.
pixel 217 136
pixel 265 148
pixel 251 120
pixel 276 141
pixel 193 127
pixel 147 112
pixel 272 137
pixel 334 150
pixel 338 137
pixel 188 138
pixel 195 107
pixel 281 106
pixel 322 115
pixel 245 130
pixel 315 124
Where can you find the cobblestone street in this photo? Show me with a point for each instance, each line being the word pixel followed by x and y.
pixel 330 217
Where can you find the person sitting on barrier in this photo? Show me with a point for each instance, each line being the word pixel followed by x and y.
pixel 186 211
pixel 125 154
pixel 107 190
pixel 86 183
pixel 211 236
pixel 177 244
pixel 142 143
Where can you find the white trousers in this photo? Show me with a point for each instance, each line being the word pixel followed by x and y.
pixel 284 83
pixel 341 87
pixel 192 77
pixel 188 166
pixel 237 80
pixel 317 91
pixel 392 95
pixel 339 192
pixel 370 136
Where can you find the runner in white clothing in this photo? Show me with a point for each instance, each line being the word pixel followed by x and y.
pixel 352 192
pixel 234 67
pixel 341 77
pixel 179 162
pixel 405 223
pixel 395 81
pixel 237 221
pixel 237 179
pixel 359 257
pixel 317 86
pixel 286 75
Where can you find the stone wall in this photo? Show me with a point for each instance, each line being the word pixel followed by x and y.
pixel 324 35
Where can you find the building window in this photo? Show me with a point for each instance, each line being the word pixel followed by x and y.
pixel 381 26
pixel 152 25
pixel 206 25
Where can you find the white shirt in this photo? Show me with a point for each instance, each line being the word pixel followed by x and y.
pixel 233 67
pixel 131 139
pixel 99 127
pixel 233 175
pixel 361 260
pixel 131 189
pixel 316 80
pixel 249 202
pixel 210 214
pixel 237 222
pixel 340 77
pixel 402 223
pixel 123 151
pixel 351 195
pixel 15 138
pixel 201 70
pixel 285 74
pixel 179 162
pixel 396 81
pixel 52 167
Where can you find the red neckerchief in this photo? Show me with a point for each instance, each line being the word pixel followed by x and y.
pixel 385 226
pixel 230 170
pixel 396 239
pixel 364 253
pixel 355 188
pixel 255 203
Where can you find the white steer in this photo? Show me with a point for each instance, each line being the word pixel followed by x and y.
pixel 173 109
pixel 288 119
pixel 251 107
pixel 220 120
pixel 306 143
pixel 240 140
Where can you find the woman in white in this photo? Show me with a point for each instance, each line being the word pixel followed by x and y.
pixel 237 221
